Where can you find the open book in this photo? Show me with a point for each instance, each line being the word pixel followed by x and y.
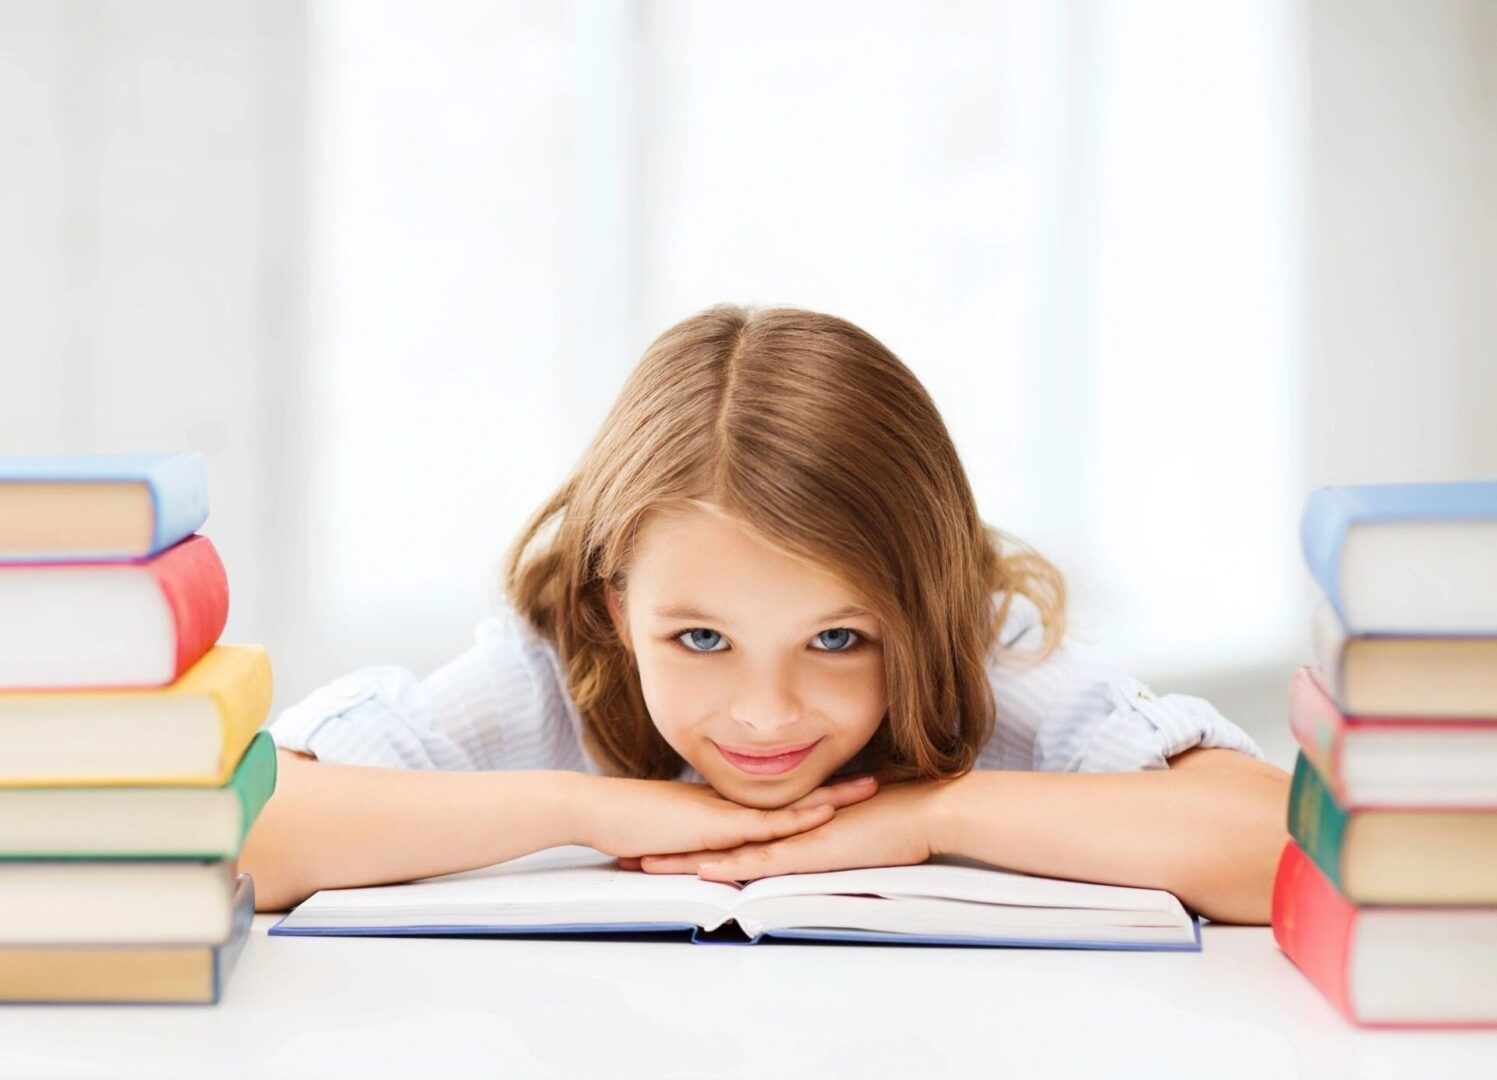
pixel 575 890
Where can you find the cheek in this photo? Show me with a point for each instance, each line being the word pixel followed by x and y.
pixel 677 692
pixel 846 684
pixel 854 700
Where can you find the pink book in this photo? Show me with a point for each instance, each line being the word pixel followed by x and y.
pixel 1409 762
pixel 65 626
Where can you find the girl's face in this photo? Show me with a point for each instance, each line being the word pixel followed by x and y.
pixel 759 670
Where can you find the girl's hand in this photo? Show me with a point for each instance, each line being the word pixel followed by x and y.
pixel 891 829
pixel 629 818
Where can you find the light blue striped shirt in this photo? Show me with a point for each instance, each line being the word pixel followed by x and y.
pixel 503 704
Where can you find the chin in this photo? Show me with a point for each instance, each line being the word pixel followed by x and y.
pixel 767 794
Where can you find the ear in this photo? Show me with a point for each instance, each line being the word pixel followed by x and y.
pixel 616 613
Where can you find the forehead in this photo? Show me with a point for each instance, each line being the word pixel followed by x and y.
pixel 688 555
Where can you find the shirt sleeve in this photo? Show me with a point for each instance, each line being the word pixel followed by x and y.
pixel 502 704
pixel 1073 712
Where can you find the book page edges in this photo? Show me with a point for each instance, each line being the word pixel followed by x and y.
pixel 52 520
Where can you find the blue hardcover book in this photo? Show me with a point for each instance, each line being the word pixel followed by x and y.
pixel 1406 559
pixel 99 507
pixel 110 974
pixel 571 891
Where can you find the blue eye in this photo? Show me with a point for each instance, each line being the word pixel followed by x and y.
pixel 704 638
pixel 846 642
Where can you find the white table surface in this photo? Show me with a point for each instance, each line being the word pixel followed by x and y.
pixel 438 1007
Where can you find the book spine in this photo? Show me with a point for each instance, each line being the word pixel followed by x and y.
pixel 1323 526
pixel 1317 824
pixel 226 956
pixel 192 578
pixel 1313 925
pixel 1331 646
pixel 1319 727
pixel 179 499
pixel 254 782
pixel 243 707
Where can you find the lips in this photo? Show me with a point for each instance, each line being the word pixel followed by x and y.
pixel 770 762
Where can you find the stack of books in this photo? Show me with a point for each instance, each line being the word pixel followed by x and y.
pixel 131 760
pixel 1387 896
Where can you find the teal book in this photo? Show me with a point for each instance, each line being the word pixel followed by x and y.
pixel 57 508
pixel 1317 824
pixel 1403 856
pixel 139 822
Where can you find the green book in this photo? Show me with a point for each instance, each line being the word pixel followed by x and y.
pixel 1317 824
pixel 135 822
pixel 1397 856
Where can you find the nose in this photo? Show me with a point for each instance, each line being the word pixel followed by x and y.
pixel 766 703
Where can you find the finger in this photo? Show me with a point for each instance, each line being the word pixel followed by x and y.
pixel 844 792
pixel 761 825
pixel 685 862
pixel 802 854
pixel 629 862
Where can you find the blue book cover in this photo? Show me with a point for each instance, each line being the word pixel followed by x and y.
pixel 1330 512
pixel 177 483
pixel 697 936
pixel 226 956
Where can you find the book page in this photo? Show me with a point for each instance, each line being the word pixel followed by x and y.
pixel 952 878
pixel 41 518
pixel 926 917
pixel 553 887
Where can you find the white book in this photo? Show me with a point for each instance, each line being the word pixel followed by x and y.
pixel 125 902
pixel 579 890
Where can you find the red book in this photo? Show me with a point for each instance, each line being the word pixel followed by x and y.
pixel 1408 967
pixel 118 624
pixel 1387 762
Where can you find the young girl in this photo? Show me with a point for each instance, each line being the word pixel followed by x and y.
pixel 761 629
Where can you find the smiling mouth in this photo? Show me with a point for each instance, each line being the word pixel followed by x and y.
pixel 772 763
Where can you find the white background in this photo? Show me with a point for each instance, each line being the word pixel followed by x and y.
pixel 1164 266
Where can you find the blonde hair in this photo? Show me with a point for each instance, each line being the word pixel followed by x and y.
pixel 815 437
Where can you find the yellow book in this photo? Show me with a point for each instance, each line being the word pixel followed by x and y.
pixel 190 732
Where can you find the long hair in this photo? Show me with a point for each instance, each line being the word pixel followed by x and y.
pixel 817 439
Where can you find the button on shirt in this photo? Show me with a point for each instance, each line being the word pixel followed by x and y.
pixel 503 704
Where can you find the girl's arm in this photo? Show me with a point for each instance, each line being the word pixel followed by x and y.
pixel 1209 829
pixel 333 826
pixel 338 826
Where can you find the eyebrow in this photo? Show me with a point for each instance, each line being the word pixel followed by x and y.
pixel 681 612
